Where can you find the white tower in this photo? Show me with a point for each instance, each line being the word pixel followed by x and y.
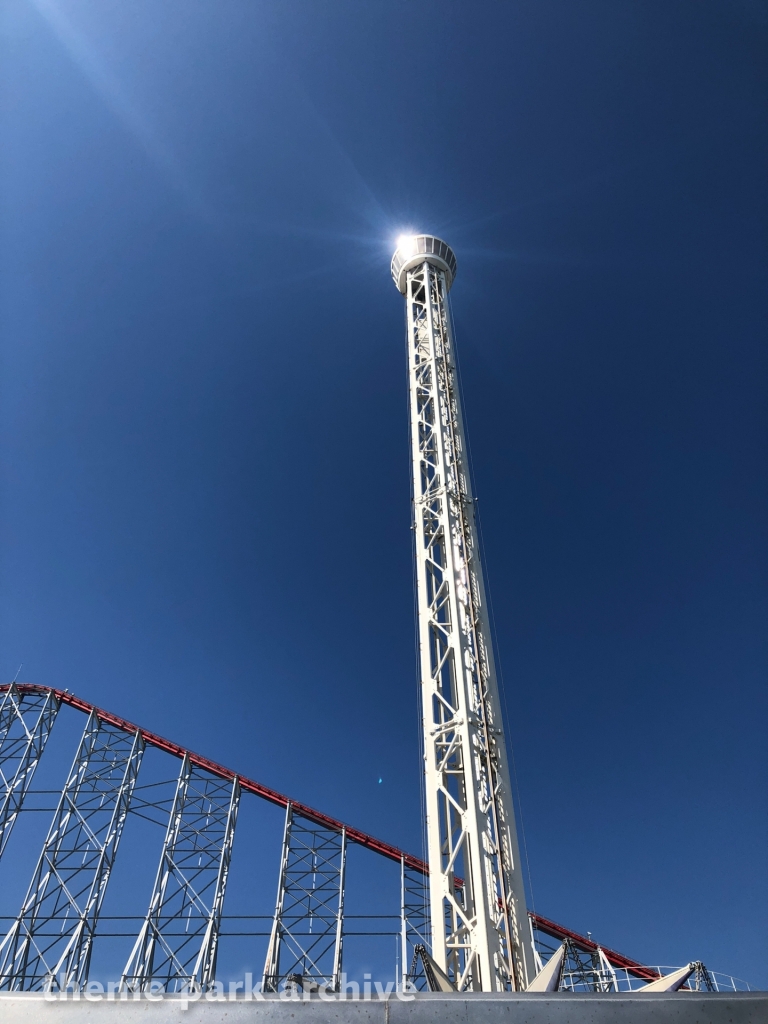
pixel 480 932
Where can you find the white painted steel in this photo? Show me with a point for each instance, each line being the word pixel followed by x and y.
pixel 479 929
pixel 548 978
pixel 189 887
pixel 26 720
pixel 411 252
pixel 49 944
pixel 307 939
pixel 414 920
pixel 670 982
pixel 610 983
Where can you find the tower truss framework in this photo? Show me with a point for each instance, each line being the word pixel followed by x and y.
pixel 49 944
pixel 479 929
pixel 26 720
pixel 415 926
pixel 189 887
pixel 307 932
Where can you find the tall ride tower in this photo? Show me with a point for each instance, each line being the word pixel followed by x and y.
pixel 480 933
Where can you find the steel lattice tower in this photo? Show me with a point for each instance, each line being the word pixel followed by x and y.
pixel 480 931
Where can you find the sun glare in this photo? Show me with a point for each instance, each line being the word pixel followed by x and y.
pixel 407 244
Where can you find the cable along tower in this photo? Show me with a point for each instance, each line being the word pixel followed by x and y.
pixel 480 934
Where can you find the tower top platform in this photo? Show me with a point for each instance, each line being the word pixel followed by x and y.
pixel 414 249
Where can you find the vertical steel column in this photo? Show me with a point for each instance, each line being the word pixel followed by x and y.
pixel 414 920
pixel 479 931
pixel 26 720
pixel 307 930
pixel 49 944
pixel 585 971
pixel 178 942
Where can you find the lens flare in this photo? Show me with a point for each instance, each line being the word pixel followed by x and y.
pixel 407 245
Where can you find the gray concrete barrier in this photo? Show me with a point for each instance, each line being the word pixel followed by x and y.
pixel 422 1008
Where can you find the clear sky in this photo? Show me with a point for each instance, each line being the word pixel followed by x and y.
pixel 205 496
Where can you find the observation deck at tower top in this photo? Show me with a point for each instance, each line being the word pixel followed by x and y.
pixel 413 250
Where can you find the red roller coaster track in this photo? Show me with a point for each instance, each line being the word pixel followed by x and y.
pixel 543 924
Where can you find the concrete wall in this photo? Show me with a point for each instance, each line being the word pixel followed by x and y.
pixel 424 1008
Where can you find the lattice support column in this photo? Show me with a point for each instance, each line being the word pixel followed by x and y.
pixel 479 930
pixel 307 932
pixel 26 720
pixel 414 922
pixel 178 942
pixel 586 970
pixel 49 944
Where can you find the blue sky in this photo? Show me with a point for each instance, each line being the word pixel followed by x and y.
pixel 205 498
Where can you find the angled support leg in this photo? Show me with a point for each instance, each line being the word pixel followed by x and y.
pixel 26 720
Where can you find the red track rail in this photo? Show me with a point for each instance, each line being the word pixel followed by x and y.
pixel 556 931
pixel 151 738
pixel 550 928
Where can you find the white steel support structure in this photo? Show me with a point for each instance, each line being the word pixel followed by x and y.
pixel 307 939
pixel 49 944
pixel 480 934
pixel 26 720
pixel 189 888
pixel 414 921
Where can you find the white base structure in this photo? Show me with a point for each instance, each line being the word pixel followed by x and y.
pixel 480 934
